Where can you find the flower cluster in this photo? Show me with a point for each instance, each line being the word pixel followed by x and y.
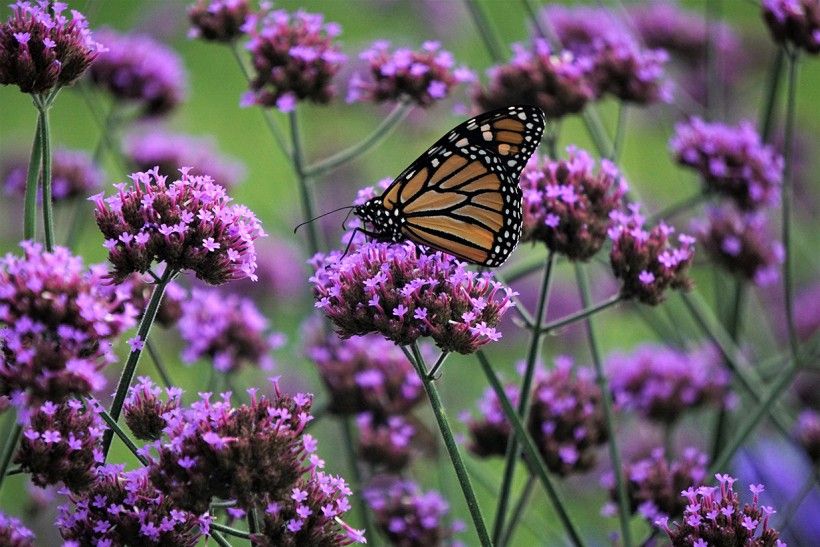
pixel 406 515
pixel 228 329
pixel 13 533
pixel 742 243
pixel 645 261
pixel 490 432
pixel 138 70
pixel 423 76
pixel 190 224
pixel 73 175
pixel 363 373
pixel 169 151
pixel 732 160
pixel 294 58
pixel 218 20
pixel 42 49
pixel 621 67
pixel 59 320
pixel 385 443
pixel 567 418
pixel 660 383
pixel 144 410
pixel 714 516
pixel 170 309
pixel 567 205
pixel 794 21
pixel 125 508
pixel 558 84
pixel 654 484
pixel 807 431
pixel 405 292
pixel 61 443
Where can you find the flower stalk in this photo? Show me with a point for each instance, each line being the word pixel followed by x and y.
pixel 32 183
pixel 786 203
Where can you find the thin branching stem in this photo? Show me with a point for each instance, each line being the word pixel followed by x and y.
pixel 108 419
pixel 32 185
pixel 438 364
pixel 158 363
pixel 485 30
pixel 620 131
pixel 582 314
pixel 303 183
pixel 45 158
pixel 680 207
pixel 230 531
pixel 518 511
pixel 8 449
pixel 767 110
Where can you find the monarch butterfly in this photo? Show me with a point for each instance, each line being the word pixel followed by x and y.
pixel 462 195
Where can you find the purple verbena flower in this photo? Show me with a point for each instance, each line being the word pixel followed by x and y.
pixel 423 77
pixel 732 160
pixel 124 508
pixel 61 443
pixel 567 205
pixel 144 410
pixel 228 329
pixel 794 21
pixel 361 291
pixel 637 251
pixel 138 70
pixel 559 84
pixel 13 533
pixel 386 443
pixel 490 431
pixel 73 175
pixel 294 58
pixel 169 151
pixel 58 322
pixel 42 49
pixel 363 373
pixel 152 220
pixel 742 244
pixel 661 383
pixel 807 432
pixel 219 20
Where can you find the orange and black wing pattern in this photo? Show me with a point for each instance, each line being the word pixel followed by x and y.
pixel 462 195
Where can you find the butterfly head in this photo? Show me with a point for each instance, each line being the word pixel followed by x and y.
pixel 386 223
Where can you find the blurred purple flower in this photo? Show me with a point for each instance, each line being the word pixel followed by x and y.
pixel 794 21
pixel 567 205
pixel 13 533
pixel 423 77
pixel 42 49
pixel 405 292
pixel 654 484
pixel 567 418
pixel 363 373
pixel 645 261
pixel 190 224
pixel 227 328
pixel 490 431
pixel 385 443
pixel 144 410
pixel 732 160
pixel 124 508
pixel 138 70
pixel 61 443
pixel 295 59
pixel 807 318
pixel 714 516
pixel 742 244
pixel 73 175
pixel 59 322
pixel 147 149
pixel 661 383
pixel 807 432
pixel 406 515
pixel 170 309
pixel 219 20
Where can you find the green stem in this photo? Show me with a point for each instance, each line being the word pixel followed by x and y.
pixel 449 441
pixel 620 131
pixel 485 30
pixel 45 143
pixel 770 96
pixel 218 538
pixel 532 457
pixel 121 434
pixel 303 183
pixel 606 400
pixel 582 314
pixel 32 182
pixel 519 270
pixel 680 207
pixel 160 366
pixel 511 455
pixel 230 531
pixel 134 357
pixel 713 98
pixel 786 194
pixel 356 474
pixel 518 511
pixel 439 363
pixel 384 129
pixel 669 440
pixel 8 449
pixel 253 520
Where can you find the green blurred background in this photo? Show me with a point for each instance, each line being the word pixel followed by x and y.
pixel 215 85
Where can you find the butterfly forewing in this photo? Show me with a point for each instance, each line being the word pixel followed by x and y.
pixel 462 195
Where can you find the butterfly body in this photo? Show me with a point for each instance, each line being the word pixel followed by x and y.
pixel 462 195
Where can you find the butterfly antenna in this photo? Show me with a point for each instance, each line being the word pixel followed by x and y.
pixel 347 216
pixel 350 242
pixel 351 207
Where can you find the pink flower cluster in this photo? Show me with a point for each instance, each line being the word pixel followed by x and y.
pixel 219 20
pixel 490 431
pixel 794 21
pixel 144 410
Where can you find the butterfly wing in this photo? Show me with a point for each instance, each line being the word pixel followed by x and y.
pixel 462 195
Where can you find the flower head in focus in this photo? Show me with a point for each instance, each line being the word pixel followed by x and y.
pixel 218 20
pixel 73 175
pixel 422 77
pixel 13 533
pixel 42 49
pixel 189 224
pixel 567 205
pixel 294 58
pixel 796 22
pixel 645 260
pixel 138 70
pixel 144 411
